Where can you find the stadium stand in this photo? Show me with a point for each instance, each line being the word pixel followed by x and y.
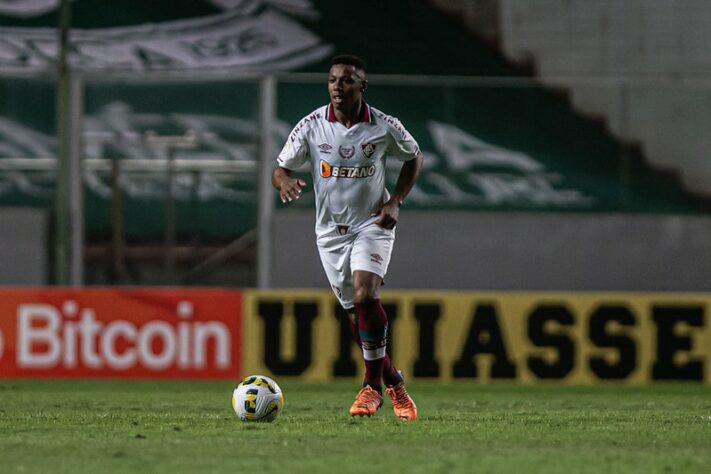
pixel 549 157
pixel 651 54
pixel 495 145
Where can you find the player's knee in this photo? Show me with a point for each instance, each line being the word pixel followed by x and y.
pixel 364 295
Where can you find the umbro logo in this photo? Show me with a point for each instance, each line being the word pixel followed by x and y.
pixel 325 148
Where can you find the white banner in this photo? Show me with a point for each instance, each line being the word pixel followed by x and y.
pixel 302 8
pixel 266 40
pixel 27 8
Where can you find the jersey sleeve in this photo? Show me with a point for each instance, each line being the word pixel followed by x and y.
pixel 404 148
pixel 296 149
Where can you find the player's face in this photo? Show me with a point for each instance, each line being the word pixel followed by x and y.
pixel 345 86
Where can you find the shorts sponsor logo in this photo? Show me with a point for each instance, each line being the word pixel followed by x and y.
pixel 346 153
pixel 368 149
pixel 376 258
pixel 325 148
pixel 330 171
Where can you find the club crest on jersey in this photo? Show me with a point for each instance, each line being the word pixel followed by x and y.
pixel 368 149
pixel 330 171
pixel 325 148
pixel 346 153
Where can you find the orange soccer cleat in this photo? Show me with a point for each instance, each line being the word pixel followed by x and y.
pixel 366 402
pixel 403 405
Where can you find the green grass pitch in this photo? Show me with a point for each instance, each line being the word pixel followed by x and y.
pixel 176 427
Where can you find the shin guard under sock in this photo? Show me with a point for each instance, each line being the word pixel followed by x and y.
pixel 391 376
pixel 372 330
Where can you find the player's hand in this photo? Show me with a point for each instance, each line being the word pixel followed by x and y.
pixel 388 214
pixel 290 189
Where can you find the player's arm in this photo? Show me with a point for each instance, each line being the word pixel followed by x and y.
pixel 289 188
pixel 409 172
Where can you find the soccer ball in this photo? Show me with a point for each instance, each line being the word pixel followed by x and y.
pixel 257 398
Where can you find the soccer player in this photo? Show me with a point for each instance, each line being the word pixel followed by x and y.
pixel 347 143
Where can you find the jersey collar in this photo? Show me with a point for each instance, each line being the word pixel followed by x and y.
pixel 365 115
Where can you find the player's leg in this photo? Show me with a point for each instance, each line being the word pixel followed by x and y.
pixel 372 325
pixel 336 264
pixel 372 332
pixel 391 375
pixel 370 258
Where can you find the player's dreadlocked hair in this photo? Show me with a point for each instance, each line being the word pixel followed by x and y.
pixel 350 60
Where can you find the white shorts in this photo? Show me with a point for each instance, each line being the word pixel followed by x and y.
pixel 367 247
